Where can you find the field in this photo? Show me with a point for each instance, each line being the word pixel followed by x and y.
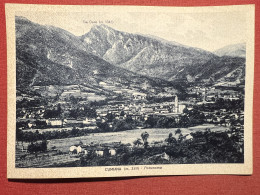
pixel 48 159
pixel 61 153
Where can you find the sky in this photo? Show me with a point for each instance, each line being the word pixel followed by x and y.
pixel 208 31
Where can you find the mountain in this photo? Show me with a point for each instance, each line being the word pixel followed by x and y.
pixel 235 50
pixel 46 55
pixel 155 57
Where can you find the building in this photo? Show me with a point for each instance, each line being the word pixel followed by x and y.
pixel 176 104
pixel 101 83
pixel 139 96
pixel 112 152
pixel 99 152
pixel 89 121
pixel 181 108
pixel 75 149
pixel 31 124
pixel 54 122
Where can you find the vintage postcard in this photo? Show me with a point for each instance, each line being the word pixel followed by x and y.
pixel 112 91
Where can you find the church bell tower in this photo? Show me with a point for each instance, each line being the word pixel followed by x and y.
pixel 176 104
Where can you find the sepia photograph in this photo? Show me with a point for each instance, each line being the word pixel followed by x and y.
pixel 98 91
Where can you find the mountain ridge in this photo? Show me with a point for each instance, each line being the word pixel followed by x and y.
pixel 42 50
pixel 49 55
pixel 151 56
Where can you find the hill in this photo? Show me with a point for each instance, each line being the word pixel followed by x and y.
pixel 236 50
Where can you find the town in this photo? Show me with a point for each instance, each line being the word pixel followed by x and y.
pixel 80 110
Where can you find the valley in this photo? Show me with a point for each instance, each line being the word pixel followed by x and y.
pixel 75 95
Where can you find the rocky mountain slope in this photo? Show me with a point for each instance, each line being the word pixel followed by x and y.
pixel 156 57
pixel 49 55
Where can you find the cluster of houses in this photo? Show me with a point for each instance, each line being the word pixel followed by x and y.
pixel 211 94
pixel 97 149
pixel 32 113
pixel 223 117
pixel 137 107
pixel 137 111
pixel 142 108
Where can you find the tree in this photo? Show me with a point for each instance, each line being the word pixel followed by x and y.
pixel 89 112
pixel 73 100
pixel 59 110
pixel 178 131
pixel 166 122
pixel 145 136
pixel 19 135
pixel 44 146
pixel 74 131
pixel 129 119
pixel 181 138
pixel 137 142
pixel 110 117
pixel 184 121
pixel 151 121
pixel 38 147
pixel 171 140
pixel 57 97
pixel 122 113
pixel 121 125
pixel 103 126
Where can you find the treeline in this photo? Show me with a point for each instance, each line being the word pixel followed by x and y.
pixel 205 147
pixel 118 125
pixel 153 99
pixel 82 112
pixel 191 118
pixel 25 103
pixel 37 147
pixel 48 135
pixel 229 105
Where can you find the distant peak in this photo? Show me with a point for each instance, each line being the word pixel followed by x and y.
pixel 102 27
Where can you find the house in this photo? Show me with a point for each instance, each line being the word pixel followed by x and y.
pixel 139 96
pixel 118 91
pixel 89 121
pixel 75 149
pixel 146 109
pixel 165 156
pixel 189 137
pixel 102 83
pixel 99 152
pixel 79 149
pixel 54 122
pixel 85 149
pixel 112 152
pixel 31 124
pixel 181 108
pixel 162 156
